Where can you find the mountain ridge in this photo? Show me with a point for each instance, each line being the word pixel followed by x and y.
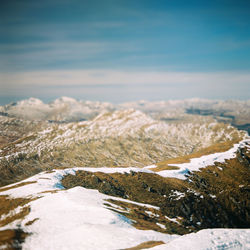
pixel 118 138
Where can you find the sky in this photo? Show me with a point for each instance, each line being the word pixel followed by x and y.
pixel 118 51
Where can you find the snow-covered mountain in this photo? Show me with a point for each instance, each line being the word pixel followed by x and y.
pixel 63 109
pixel 234 112
pixel 66 109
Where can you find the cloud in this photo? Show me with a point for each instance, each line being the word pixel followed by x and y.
pixel 112 77
pixel 63 54
pixel 121 86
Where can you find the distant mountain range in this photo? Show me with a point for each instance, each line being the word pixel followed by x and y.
pixel 67 109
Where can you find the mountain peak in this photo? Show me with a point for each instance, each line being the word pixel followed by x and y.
pixel 64 99
pixel 124 115
pixel 31 101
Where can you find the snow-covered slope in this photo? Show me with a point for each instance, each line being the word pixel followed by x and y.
pixel 237 239
pixel 74 219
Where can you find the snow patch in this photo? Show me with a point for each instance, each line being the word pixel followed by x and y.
pixel 152 214
pixel 177 195
pixel 175 220
pixel 161 225
pixel 197 163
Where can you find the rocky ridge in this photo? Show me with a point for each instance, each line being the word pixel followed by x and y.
pixel 119 138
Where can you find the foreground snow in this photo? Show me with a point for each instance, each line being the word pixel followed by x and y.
pixel 211 239
pixel 76 218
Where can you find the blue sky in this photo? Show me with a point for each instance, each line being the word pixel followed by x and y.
pixel 124 50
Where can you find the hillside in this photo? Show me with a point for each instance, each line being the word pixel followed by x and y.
pixel 120 138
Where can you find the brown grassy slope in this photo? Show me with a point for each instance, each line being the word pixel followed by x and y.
pixel 8 204
pixel 146 245
pixel 230 182
pixel 13 129
pixel 18 169
pixel 145 218
pixel 17 185
pixel 139 149
pixel 212 198
pixel 12 239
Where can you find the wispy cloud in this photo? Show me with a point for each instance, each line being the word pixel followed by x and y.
pixel 122 86
pixel 103 77
pixel 63 54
